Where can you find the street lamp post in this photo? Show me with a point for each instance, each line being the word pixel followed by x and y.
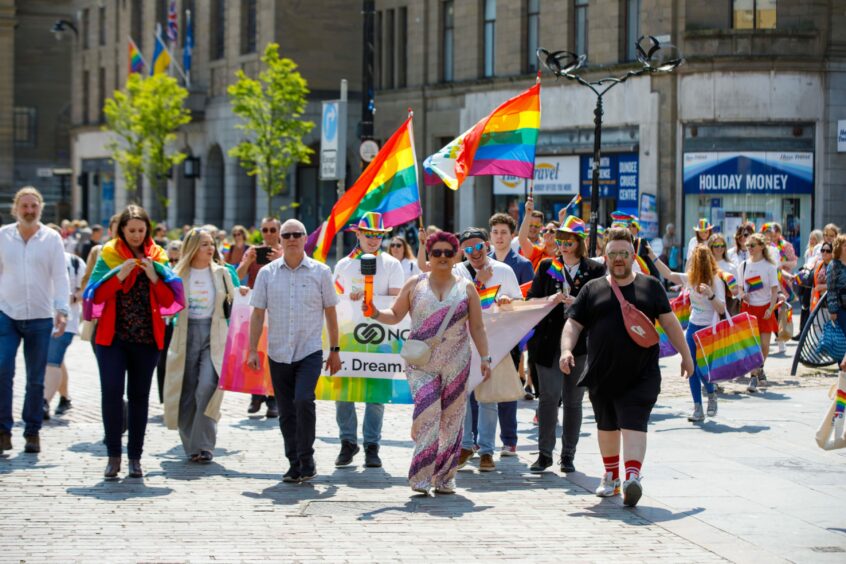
pixel 657 57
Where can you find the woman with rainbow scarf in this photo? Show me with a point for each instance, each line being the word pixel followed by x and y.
pixel 130 290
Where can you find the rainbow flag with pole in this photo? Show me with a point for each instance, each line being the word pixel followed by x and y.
pixel 503 143
pixel 111 258
pixel 136 60
pixel 488 296
pixel 388 185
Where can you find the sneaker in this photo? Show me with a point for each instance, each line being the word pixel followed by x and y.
pixel 464 457
pixel 752 388
pixel 345 457
pixel 486 464
pixel 309 473
pixel 712 405
pixel 33 444
pixel 781 347
pixel 255 405
pixel 632 491
pixel 371 456
pixel 64 405
pixel 697 415
pixel 541 464
pixel 292 476
pixel 567 465
pixel 762 378
pixel 5 441
pixel 447 488
pixel 608 487
pixel 508 450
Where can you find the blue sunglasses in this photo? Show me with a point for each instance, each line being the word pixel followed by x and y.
pixel 476 247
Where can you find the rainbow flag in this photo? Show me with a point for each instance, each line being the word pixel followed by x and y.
pixel 556 270
pixel 754 284
pixel 136 60
pixel 488 296
pixel 503 143
pixel 575 201
pixel 840 405
pixel 729 349
pixel 730 280
pixel 338 288
pixel 109 263
pixel 226 247
pixel 524 288
pixel 786 283
pixel 388 185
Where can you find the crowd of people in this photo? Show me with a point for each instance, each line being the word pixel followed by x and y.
pixel 153 302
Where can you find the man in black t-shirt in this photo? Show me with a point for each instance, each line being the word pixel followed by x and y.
pixel 623 378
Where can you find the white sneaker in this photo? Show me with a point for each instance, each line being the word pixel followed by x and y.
pixel 508 451
pixel 712 405
pixel 608 487
pixel 697 415
pixel 753 385
pixel 632 491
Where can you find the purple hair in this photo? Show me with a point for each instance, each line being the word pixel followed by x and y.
pixel 439 237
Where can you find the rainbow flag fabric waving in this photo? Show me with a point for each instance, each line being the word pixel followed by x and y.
pixel 136 61
pixel 729 349
pixel 502 143
pixel 388 185
pixel 488 296
pixel 112 257
pixel 754 283
pixel 730 280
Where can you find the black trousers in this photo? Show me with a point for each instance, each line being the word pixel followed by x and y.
pixel 294 385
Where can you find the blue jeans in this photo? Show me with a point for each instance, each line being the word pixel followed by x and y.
pixel 696 381
pixel 348 422
pixel 486 427
pixel 36 338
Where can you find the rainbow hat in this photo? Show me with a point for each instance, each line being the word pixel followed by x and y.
pixel 625 220
pixel 370 221
pixel 767 227
pixel 703 225
pixel 574 225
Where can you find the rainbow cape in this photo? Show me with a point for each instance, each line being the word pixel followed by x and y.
pixel 113 255
pixel 503 143
pixel 488 296
pixel 388 185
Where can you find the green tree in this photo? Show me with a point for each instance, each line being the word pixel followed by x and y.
pixel 271 110
pixel 144 118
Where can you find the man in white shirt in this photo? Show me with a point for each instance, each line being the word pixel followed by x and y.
pixel 349 281
pixel 34 292
pixel 485 272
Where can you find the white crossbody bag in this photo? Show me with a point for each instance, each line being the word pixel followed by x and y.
pixel 418 353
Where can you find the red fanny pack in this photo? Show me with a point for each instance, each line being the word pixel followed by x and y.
pixel 641 330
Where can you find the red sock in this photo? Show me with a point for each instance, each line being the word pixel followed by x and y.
pixel 633 469
pixel 612 464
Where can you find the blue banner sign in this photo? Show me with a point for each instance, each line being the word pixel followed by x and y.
pixel 749 173
pixel 618 179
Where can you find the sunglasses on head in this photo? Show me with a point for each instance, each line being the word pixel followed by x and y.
pixel 438 253
pixel 295 235
pixel 268 230
pixel 476 247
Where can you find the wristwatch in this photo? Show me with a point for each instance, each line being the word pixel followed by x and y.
pixel 334 349
pixel 487 359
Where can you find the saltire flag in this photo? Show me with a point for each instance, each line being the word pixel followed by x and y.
pixel 136 60
pixel 161 58
pixel 172 22
pixel 503 143
pixel 188 48
pixel 388 185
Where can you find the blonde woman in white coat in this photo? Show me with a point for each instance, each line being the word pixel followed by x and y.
pixel 191 398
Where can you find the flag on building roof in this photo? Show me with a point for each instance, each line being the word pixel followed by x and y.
pixel 388 185
pixel 136 60
pixel 172 22
pixel 503 143
pixel 161 57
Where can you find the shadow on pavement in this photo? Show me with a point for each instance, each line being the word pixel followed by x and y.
pixel 185 470
pixel 613 510
pixel 365 478
pixel 120 490
pixel 98 448
pixel 330 440
pixel 292 494
pixel 22 461
pixel 713 427
pixel 447 506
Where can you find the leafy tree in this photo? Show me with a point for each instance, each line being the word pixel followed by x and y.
pixel 144 118
pixel 271 110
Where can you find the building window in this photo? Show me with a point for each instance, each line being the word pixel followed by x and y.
pixel 388 71
pixel 532 34
pixel 402 47
pixel 25 127
pixel 489 33
pixel 449 40
pixel 248 26
pixel 187 6
pixel 218 26
pixel 581 27
pixel 377 50
pixel 86 27
pixel 101 25
pixel 137 24
pixel 86 84
pixel 101 94
pixel 632 29
pixel 754 14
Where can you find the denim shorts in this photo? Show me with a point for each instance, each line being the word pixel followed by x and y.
pixel 57 349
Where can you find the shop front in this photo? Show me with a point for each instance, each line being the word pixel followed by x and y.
pixel 556 182
pixel 728 188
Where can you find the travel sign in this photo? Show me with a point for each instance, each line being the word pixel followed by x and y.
pixel 749 173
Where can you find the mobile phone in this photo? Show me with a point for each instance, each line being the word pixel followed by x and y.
pixel 261 255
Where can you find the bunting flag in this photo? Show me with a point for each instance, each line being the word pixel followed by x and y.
pixel 488 296
pixel 161 58
pixel 109 263
pixel 388 185
pixel 502 143
pixel 136 60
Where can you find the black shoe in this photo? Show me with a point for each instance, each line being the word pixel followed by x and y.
pixel 64 405
pixel 308 473
pixel 292 476
pixel 345 457
pixel 112 468
pixel 46 416
pixel 5 441
pixel 255 405
pixel 542 463
pixel 567 463
pixel 371 456
pixel 135 470
pixel 272 412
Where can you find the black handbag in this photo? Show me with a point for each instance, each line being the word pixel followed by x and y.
pixel 227 298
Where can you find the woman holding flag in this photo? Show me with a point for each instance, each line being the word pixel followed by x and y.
pixel 130 289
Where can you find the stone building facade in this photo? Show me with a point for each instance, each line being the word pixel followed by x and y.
pixel 758 99
pixel 324 39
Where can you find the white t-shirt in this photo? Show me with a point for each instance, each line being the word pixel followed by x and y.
pixel 389 274
pixel 409 267
pixel 76 271
pixel 728 267
pixel 702 310
pixel 502 276
pixel 201 294
pixel 757 278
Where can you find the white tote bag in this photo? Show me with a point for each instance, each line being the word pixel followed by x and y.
pixel 832 434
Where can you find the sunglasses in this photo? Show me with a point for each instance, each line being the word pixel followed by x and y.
pixel 548 231
pixel 438 253
pixel 566 242
pixel 295 235
pixel 536 225
pixel 370 235
pixel 826 251
pixel 751 246
pixel 618 254
pixel 396 245
pixel 268 230
pixel 474 248
pixel 718 246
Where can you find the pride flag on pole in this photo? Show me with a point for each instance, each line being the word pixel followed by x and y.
pixel 502 143
pixel 161 57
pixel 388 185
pixel 136 60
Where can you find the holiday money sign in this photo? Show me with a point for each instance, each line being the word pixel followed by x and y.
pixel 749 173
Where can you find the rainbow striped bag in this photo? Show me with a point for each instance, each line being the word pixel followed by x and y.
pixel 832 434
pixel 728 349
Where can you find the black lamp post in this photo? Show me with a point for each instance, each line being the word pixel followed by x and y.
pixel 61 26
pixel 657 57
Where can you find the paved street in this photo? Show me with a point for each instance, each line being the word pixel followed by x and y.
pixel 750 485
